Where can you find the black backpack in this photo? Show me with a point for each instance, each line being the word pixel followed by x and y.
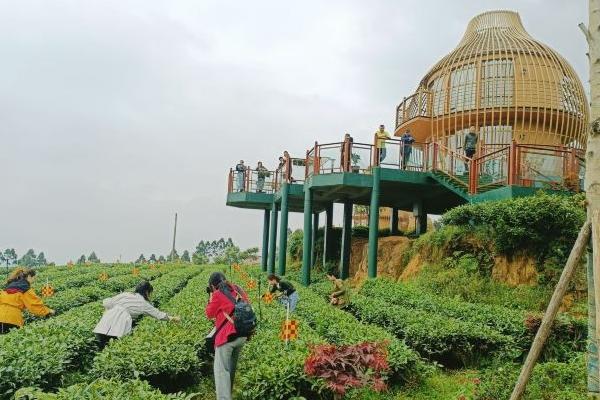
pixel 243 316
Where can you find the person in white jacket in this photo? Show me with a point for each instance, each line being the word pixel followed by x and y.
pixel 122 309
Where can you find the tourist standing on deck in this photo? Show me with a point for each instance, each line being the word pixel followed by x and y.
pixel 241 175
pixel 381 136
pixel 407 141
pixel 262 174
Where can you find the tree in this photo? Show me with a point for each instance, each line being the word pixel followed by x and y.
pixel 200 258
pixel 185 256
pixel 29 259
pixel 93 258
pixel 41 259
pixel 141 259
pixel 152 258
pixel 81 260
pixel 233 255
pixel 9 257
pixel 161 259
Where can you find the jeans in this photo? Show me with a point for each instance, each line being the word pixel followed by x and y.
pixel 224 366
pixel 406 157
pixel 292 300
pixel 240 181
pixel 382 154
pixel 260 184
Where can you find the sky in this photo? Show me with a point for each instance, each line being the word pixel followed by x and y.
pixel 114 115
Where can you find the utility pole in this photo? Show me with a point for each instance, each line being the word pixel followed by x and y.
pixel 174 236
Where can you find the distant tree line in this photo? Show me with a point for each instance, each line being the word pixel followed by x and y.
pixel 9 257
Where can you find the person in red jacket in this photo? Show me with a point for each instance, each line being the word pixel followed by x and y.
pixel 228 345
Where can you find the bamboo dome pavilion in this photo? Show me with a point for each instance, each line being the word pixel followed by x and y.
pixel 505 83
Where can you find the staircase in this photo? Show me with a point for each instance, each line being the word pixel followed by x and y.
pixel 459 184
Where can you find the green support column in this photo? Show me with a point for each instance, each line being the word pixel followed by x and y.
pixel 313 246
pixel 307 240
pixel 265 241
pixel 593 383
pixel 420 218
pixel 283 228
pixel 394 222
pixel 346 241
pixel 272 240
pixel 327 234
pixel 374 223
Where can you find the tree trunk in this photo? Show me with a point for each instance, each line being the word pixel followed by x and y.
pixel 592 181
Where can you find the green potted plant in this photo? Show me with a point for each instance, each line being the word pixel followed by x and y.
pixel 355 162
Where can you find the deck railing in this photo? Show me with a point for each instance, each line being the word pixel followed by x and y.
pixel 543 166
pixel 251 180
pixel 413 106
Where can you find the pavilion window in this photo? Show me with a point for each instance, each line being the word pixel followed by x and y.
pixel 462 88
pixel 497 81
pixel 439 96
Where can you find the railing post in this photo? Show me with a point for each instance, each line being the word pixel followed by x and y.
pixel 435 157
pixel 425 156
pixel 512 154
pixel 317 163
pixel 375 156
pixel 248 172
pixel 230 181
pixel 288 174
pixel 473 176
pixel 306 165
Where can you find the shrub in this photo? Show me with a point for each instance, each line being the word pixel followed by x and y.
pixel 537 222
pixel 101 389
pixel 351 366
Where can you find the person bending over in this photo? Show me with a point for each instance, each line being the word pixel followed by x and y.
pixel 287 294
pixel 122 309
pixel 17 296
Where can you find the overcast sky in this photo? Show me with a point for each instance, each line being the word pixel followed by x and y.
pixel 116 114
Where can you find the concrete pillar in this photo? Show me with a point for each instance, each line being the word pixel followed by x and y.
pixel 374 224
pixel 307 236
pixel 420 218
pixel 327 234
pixel 346 241
pixel 315 231
pixel 283 228
pixel 394 222
pixel 265 241
pixel 272 239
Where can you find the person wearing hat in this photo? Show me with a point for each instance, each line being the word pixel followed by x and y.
pixel 228 344
pixel 122 309
pixel 17 296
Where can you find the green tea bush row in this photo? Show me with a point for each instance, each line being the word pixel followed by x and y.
pixel 549 381
pixel 340 328
pixel 449 341
pixel 158 349
pixel 101 389
pixel 40 353
pixel 521 326
pixel 269 369
pixel 80 277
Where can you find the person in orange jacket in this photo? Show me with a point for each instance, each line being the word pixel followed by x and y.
pixel 17 296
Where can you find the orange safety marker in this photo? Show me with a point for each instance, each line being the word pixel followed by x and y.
pixel 70 264
pixel 267 298
pixel 47 290
pixel 251 284
pixel 103 277
pixel 135 271
pixel 236 267
pixel 289 330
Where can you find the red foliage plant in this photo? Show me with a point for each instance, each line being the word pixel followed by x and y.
pixel 353 366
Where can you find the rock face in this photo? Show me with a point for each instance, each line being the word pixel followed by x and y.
pixel 520 269
pixel 389 257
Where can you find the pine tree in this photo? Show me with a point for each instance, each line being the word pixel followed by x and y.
pixel 141 259
pixel 81 260
pixel 29 259
pixel 41 259
pixel 93 258
pixel 161 259
pixel 152 258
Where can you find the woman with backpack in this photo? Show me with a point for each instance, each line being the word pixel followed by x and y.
pixel 17 296
pixel 122 309
pixel 235 321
